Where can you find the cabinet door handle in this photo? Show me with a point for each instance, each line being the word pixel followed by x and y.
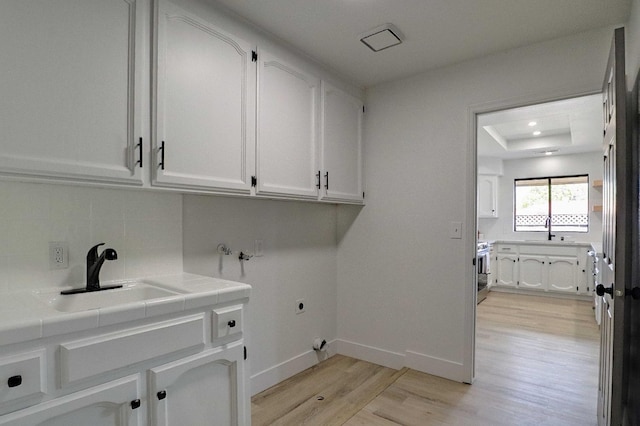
pixel 318 177
pixel 14 381
pixel 135 404
pixel 232 323
pixel 139 153
pixel 326 180
pixel 161 149
pixel 162 395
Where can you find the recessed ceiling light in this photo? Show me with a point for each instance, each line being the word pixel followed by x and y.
pixel 532 123
pixel 537 133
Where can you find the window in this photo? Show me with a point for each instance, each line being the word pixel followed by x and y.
pixel 559 202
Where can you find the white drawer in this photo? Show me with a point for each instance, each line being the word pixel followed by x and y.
pixel 507 248
pixel 84 358
pixel 22 376
pixel 226 322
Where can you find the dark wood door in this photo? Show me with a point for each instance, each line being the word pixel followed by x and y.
pixel 616 223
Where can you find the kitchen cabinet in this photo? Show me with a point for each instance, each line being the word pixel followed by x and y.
pixel 533 271
pixel 287 129
pixel 543 267
pixel 341 146
pixel 507 270
pixel 194 390
pixel 205 102
pixel 487 196
pixel 72 89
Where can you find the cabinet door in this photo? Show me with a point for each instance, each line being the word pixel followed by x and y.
pixel 562 274
pixel 487 196
pixel 204 125
pixel 507 270
pixel 532 272
pixel 71 85
pixel 205 389
pixel 111 404
pixel 341 146
pixel 287 129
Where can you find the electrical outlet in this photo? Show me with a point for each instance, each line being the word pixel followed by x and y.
pixel 258 248
pixel 300 306
pixel 58 255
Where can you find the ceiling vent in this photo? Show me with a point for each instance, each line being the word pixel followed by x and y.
pixel 382 37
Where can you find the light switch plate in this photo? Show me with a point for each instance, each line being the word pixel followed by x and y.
pixel 455 230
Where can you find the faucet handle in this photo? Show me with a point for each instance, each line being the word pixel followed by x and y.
pixel 110 254
pixel 92 255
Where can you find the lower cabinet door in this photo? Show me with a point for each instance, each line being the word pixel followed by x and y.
pixel 532 272
pixel 204 389
pixel 562 272
pixel 113 404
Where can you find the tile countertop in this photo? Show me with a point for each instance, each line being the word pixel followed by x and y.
pixel 546 243
pixel 23 317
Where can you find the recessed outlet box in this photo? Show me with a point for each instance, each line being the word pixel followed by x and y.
pixel 300 306
pixel 58 255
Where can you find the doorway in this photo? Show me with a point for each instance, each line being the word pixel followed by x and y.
pixel 555 141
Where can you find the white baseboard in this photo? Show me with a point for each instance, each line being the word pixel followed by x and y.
pixel 274 375
pixel 435 366
pixel 369 353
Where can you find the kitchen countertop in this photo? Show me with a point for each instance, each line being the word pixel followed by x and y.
pixel 546 243
pixel 24 317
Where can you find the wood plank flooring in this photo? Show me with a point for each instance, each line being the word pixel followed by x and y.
pixel 536 364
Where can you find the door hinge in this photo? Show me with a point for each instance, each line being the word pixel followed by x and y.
pixel 363 194
pixel 254 181
pixel 254 56
pixel 577 288
pixel 245 352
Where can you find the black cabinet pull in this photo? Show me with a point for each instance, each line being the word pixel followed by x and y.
pixel 162 395
pixel 318 177
pixel 14 381
pixel 135 404
pixel 139 153
pixel 232 323
pixel 326 180
pixel 161 149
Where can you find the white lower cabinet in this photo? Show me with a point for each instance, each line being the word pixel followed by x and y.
pixel 116 403
pixel 552 268
pixel 200 390
pixel 507 270
pixel 182 370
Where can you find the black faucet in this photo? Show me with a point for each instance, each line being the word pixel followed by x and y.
pixel 547 225
pixel 94 264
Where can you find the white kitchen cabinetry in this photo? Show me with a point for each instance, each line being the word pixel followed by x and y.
pixel 195 390
pixel 71 89
pixel 507 270
pixel 533 271
pixel 205 103
pixel 287 129
pixel 341 145
pixel 487 196
pixel 544 267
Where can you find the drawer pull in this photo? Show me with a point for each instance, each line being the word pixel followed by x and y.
pixel 14 381
pixel 232 323
pixel 162 395
pixel 135 404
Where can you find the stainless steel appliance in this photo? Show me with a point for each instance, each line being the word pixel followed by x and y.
pixel 483 266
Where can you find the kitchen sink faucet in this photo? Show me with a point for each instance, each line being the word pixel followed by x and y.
pixel 547 225
pixel 94 264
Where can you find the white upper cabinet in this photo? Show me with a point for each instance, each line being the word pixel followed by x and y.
pixel 287 129
pixel 204 106
pixel 487 196
pixel 341 146
pixel 71 89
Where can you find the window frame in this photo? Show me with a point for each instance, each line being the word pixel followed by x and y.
pixel 549 201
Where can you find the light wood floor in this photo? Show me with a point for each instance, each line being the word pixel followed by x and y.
pixel 536 364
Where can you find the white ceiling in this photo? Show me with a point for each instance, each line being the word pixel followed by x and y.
pixel 566 127
pixel 438 32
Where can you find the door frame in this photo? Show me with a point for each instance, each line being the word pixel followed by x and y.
pixel 471 227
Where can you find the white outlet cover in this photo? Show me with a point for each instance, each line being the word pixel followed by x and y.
pixel 58 255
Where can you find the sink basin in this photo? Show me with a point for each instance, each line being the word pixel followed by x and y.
pixel 129 293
